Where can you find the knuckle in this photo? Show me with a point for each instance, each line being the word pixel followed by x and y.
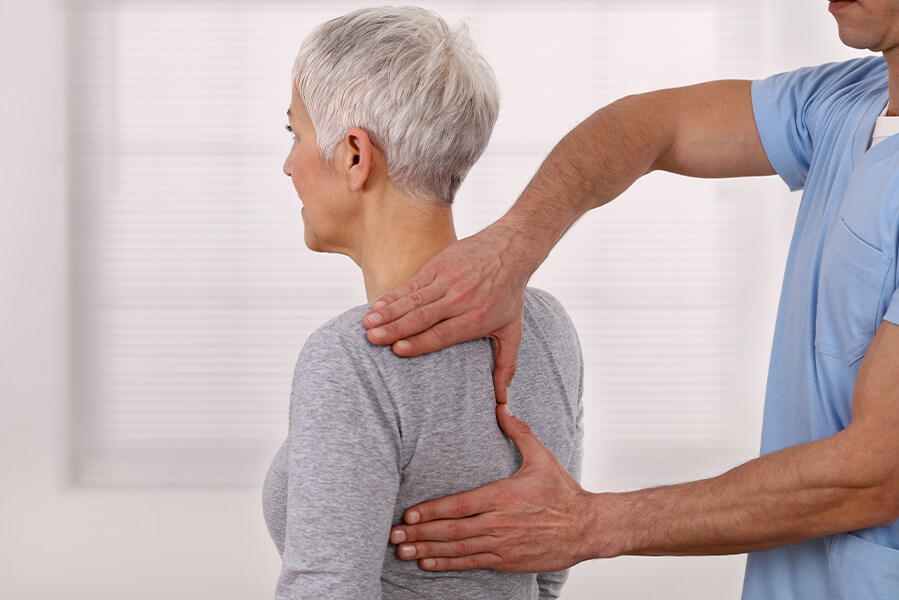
pixel 416 298
pixel 504 499
pixel 523 427
pixel 455 530
pixel 424 315
pixel 462 548
pixel 409 286
pixel 442 331
pixel 463 293
pixel 429 275
pixel 506 375
pixel 474 561
pixel 424 549
pixel 480 316
pixel 459 508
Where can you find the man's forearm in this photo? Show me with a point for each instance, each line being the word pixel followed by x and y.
pixel 796 494
pixel 593 164
pixel 705 130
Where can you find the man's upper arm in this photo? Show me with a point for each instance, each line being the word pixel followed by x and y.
pixel 712 128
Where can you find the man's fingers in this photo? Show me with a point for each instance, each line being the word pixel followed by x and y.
pixel 442 530
pixel 391 306
pixel 462 563
pixel 457 506
pixel 507 341
pixel 471 553
pixel 420 311
pixel 422 279
pixel 445 333
pixel 432 549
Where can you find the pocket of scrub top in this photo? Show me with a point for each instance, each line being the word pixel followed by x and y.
pixel 852 277
pixel 862 569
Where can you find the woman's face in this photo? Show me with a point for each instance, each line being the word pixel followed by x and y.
pixel 329 208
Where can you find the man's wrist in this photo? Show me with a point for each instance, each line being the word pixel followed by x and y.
pixel 605 530
pixel 526 243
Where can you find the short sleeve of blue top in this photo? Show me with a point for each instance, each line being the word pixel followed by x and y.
pixel 840 283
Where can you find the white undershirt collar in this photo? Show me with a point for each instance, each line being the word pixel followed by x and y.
pixel 884 127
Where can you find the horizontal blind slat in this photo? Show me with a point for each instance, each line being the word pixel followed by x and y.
pixel 195 291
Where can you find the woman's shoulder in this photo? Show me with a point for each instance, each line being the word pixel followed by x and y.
pixel 536 297
pixel 338 357
pixel 547 328
pixel 542 306
pixel 346 323
pixel 343 334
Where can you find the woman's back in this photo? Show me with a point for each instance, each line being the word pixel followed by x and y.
pixel 372 434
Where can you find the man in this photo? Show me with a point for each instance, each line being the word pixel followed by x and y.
pixel 830 449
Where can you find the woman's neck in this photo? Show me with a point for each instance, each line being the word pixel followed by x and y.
pixel 400 234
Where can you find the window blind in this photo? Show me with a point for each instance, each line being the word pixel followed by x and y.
pixel 193 291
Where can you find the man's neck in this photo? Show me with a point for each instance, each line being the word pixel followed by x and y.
pixel 892 58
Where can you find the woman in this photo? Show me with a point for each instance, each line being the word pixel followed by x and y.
pixel 389 111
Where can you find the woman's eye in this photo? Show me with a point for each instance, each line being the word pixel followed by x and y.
pixel 289 129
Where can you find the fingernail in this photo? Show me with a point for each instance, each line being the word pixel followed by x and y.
pixel 374 318
pixel 398 537
pixel 507 409
pixel 413 517
pixel 403 345
pixel 379 333
pixel 428 563
pixel 378 304
pixel 407 551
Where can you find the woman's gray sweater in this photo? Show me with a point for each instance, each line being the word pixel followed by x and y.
pixel 372 434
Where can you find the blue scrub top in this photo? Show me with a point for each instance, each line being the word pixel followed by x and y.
pixel 840 283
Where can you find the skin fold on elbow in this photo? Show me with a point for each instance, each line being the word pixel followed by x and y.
pixel 872 479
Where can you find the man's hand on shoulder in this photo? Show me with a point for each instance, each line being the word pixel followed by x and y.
pixel 473 289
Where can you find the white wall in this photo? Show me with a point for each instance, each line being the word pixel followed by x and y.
pixel 57 541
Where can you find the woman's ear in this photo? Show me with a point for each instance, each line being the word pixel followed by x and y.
pixel 356 161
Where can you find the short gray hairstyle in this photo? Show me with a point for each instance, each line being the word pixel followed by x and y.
pixel 421 91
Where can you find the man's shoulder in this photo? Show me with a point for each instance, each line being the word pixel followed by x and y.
pixel 862 66
pixel 836 78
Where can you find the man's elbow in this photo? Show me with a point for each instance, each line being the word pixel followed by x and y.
pixel 886 508
pixel 877 500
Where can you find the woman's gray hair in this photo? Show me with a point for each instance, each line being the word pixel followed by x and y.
pixel 421 91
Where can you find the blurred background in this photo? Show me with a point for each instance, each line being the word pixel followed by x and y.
pixel 156 289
